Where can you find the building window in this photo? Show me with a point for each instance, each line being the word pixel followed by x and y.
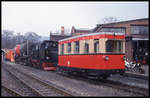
pixel 77 47
pixel 114 46
pixel 62 49
pixel 139 29
pixel 96 45
pixel 86 48
pixel 69 47
pixel 116 30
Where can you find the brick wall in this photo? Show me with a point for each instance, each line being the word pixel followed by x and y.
pixel 127 25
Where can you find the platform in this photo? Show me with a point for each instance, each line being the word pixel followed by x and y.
pixel 138 75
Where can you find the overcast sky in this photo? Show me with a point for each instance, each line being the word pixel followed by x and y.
pixel 43 17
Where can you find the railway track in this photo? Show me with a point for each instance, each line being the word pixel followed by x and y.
pixel 9 91
pixel 112 84
pixel 41 87
pixel 16 85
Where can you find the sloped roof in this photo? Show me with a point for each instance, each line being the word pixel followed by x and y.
pixel 58 37
pixel 120 22
pixel 124 21
pixel 82 30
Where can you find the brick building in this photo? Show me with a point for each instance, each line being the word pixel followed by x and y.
pixel 75 31
pixel 136 32
pixel 56 37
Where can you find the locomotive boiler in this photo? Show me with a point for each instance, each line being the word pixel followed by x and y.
pixel 22 52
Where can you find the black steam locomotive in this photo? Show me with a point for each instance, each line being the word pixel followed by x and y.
pixel 40 55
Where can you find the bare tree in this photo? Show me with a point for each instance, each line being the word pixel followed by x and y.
pixel 32 36
pixel 19 38
pixel 110 19
pixel 8 40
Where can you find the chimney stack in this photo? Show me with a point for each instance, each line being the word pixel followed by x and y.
pixel 62 30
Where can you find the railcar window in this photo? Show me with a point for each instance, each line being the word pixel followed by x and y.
pixel 96 45
pixel 69 47
pixel 62 49
pixel 119 45
pixel 114 46
pixel 86 48
pixel 77 47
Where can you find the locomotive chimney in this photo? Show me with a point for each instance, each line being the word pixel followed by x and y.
pixel 62 30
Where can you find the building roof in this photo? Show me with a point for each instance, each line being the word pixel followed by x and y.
pixel 120 22
pixel 80 30
pixel 124 21
pixel 58 37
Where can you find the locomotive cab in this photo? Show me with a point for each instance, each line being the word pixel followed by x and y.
pixel 48 52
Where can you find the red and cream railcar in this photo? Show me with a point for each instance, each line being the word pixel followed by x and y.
pixel 99 54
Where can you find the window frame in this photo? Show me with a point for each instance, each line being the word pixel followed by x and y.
pixel 69 48
pixel 86 46
pixel 112 29
pixel 115 48
pixel 138 29
pixel 96 43
pixel 62 49
pixel 77 47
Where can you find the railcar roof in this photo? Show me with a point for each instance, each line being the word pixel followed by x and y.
pixel 90 34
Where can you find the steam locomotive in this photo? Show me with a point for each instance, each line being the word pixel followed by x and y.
pixel 40 55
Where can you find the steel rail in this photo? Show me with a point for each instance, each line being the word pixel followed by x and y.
pixel 40 81
pixel 32 89
pixel 12 92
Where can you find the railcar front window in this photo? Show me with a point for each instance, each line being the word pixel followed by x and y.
pixel 114 46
